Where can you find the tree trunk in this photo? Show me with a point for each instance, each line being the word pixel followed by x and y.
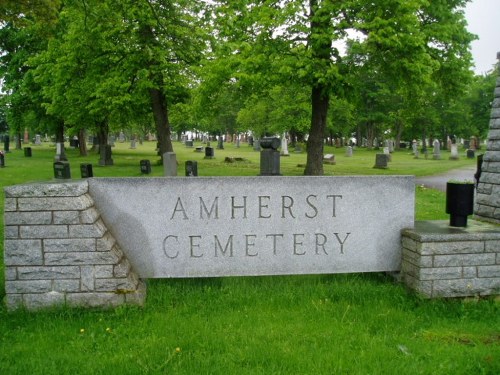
pixel 370 135
pixel 319 42
pixel 160 114
pixel 82 142
pixel 314 165
pixel 399 132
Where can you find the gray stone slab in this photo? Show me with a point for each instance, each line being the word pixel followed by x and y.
pixel 225 226
pixel 48 189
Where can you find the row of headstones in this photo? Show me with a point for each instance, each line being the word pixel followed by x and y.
pixel 436 152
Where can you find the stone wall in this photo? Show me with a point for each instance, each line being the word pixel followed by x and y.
pixel 488 190
pixel 442 261
pixel 58 251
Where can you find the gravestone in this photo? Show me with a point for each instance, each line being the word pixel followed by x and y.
pixel 191 167
pixel 121 137
pixel 329 159
pixel 169 164
pixel 27 152
pixel 436 152
pixel 284 146
pixel 2 159
pixel 348 151
pixel 38 140
pixel 220 143
pixel 471 154
pixel 145 166
pixel 380 161
pixel 86 170
pixel 390 145
pixel 189 143
pixel 62 170
pixel 209 152
pixel 269 157
pixel 453 151
pixel 133 144
pixel 488 190
pixel 26 137
pixel 256 144
pixel 387 153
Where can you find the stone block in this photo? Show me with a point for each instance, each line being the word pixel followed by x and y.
pixel 122 269
pixel 95 230
pixel 10 273
pixel 81 258
pixel 43 300
pixel 466 287
pixel 69 245
pixel 43 231
pixel 89 216
pixel 423 287
pixel 88 277
pixel 51 189
pixel 65 286
pixel 28 218
pixel 469 272
pixel 409 243
pixel 464 260
pixel 103 272
pixel 489 271
pixel 105 243
pixel 46 273
pixel 104 300
pixel 54 203
pixel 28 286
pixel 494 134
pixel 459 247
pixel 137 297
pixel 11 232
pixel 124 285
pixel 23 252
pixel 66 217
pixel 14 301
pixel 443 273
pixel 417 259
pixel 10 204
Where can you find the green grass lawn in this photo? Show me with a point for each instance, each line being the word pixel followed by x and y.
pixel 319 324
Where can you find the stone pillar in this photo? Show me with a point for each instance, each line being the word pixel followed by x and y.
pixel 488 190
pixel 58 251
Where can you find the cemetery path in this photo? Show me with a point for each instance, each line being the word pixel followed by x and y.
pixel 439 181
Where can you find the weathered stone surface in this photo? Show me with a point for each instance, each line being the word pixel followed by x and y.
pixel 43 231
pixel 106 300
pixel 88 230
pixel 43 300
pixel 10 273
pixel 54 203
pixel 69 245
pixel 89 216
pixel 25 218
pixel 103 272
pixel 40 273
pixel 23 252
pixel 67 217
pixel 466 287
pixel 462 247
pixel 11 232
pixel 216 226
pixel 80 258
pixel 88 277
pixel 10 204
pixel 464 260
pixel 105 243
pixel 65 286
pixel 440 273
pixel 48 189
pixel 489 271
pixel 28 286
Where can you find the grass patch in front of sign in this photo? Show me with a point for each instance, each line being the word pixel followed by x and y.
pixel 321 324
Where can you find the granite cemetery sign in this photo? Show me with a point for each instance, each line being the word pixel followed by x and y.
pixel 257 226
pixel 91 242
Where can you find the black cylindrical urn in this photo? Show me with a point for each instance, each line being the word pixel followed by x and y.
pixel 459 202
